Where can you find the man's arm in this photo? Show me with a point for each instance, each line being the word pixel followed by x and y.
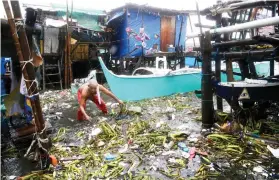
pixel 81 105
pixel 107 92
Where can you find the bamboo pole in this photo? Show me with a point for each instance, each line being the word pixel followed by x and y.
pixel 207 99
pixel 25 55
pixel 191 29
pixel 199 16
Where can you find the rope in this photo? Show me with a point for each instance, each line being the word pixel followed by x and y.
pixel 32 82
pixel 26 62
pixel 26 80
pixel 20 23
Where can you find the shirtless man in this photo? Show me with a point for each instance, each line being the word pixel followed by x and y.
pixel 91 91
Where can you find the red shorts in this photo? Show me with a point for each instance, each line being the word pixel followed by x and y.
pixel 101 106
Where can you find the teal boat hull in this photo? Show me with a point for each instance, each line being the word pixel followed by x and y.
pixel 134 88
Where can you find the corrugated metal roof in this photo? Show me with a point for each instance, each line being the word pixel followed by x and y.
pixel 61 7
pixel 155 9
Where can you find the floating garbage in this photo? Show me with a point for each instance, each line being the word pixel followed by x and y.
pixel 170 110
pixel 258 169
pixel 148 145
pixel 275 152
pixel 123 149
pixel 101 143
pixel 135 109
pixel 183 147
pixel 192 153
pixel 169 145
pixel 186 155
pixel 110 157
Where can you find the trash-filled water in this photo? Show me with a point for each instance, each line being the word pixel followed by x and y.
pixel 158 138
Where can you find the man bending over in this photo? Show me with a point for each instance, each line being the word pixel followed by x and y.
pixel 91 90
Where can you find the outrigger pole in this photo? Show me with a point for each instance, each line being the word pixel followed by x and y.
pixel 240 27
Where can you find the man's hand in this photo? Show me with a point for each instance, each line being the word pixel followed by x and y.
pixel 107 92
pixel 87 118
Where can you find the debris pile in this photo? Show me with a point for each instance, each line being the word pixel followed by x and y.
pixel 156 139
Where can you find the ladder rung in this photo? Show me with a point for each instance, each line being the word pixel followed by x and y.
pixel 52 74
pixel 51 67
pixel 53 83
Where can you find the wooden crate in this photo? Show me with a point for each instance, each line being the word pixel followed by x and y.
pixel 80 52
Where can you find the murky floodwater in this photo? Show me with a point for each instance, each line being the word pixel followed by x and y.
pixel 60 110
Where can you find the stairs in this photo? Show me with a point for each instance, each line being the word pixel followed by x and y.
pixel 52 70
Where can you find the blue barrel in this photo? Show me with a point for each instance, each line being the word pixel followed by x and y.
pixel 4 60
pixel 171 49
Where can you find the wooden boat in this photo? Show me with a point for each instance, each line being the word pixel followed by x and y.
pixel 248 90
pixel 133 88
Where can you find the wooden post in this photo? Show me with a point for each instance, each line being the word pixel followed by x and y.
pixel 218 63
pixel 229 70
pixel 207 94
pixel 69 45
pixel 244 69
pixel 25 57
pixel 272 61
pixel 252 69
pixel 229 67
pixel 66 68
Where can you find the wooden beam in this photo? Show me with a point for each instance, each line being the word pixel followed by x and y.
pixel 245 54
pixel 219 100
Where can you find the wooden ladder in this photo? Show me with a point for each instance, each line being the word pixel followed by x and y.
pixel 52 70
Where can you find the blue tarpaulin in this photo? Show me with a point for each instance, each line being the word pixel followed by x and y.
pixel 151 25
pixel 130 44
